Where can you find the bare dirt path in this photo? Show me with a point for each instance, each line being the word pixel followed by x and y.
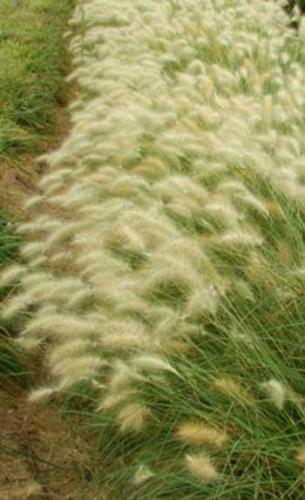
pixel 39 454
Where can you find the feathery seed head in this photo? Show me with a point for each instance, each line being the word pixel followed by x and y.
pixel 233 389
pixel 276 392
pixel 201 467
pixel 200 434
pixel 133 417
pixel 150 363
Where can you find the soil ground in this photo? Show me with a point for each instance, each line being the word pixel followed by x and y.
pixel 40 456
pixel 19 175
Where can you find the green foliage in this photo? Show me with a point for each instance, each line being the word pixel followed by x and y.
pixel 33 60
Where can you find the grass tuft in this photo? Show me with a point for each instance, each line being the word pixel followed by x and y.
pixel 33 60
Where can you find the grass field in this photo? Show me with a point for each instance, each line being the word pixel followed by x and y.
pixel 164 289
pixel 33 60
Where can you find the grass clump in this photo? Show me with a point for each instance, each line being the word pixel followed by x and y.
pixel 166 287
pixel 33 61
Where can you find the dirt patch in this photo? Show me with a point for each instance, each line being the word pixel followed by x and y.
pixel 40 457
pixel 17 184
pixel 19 175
